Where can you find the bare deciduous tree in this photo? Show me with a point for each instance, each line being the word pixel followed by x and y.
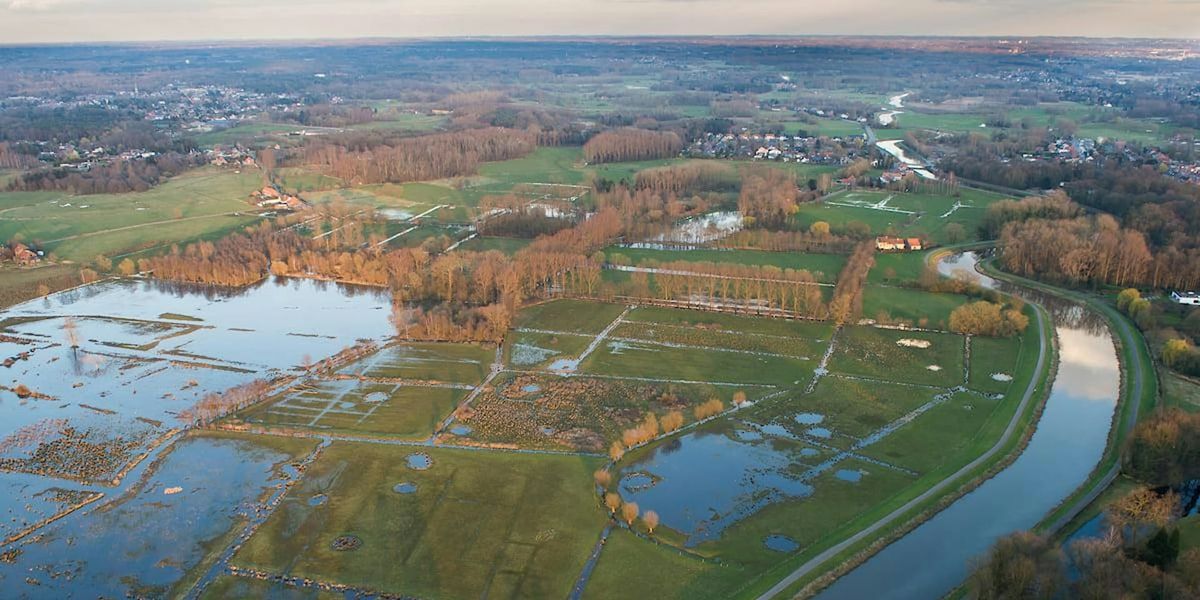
pixel 629 512
pixel 650 518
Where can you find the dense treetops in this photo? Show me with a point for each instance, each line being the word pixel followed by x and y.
pixel 629 144
pixel 389 157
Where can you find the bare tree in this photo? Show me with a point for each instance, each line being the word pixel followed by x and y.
pixel 650 518
pixel 629 512
pixel 603 478
pixel 616 451
pixel 613 502
pixel 1021 565
pixel 71 331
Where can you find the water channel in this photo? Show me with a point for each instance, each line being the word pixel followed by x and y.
pixel 1069 441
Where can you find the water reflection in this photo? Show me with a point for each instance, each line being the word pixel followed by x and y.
pixel 1065 313
pixel 142 545
pixel 1069 440
pixel 704 482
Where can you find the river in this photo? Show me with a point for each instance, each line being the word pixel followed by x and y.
pixel 1069 441
pixel 896 102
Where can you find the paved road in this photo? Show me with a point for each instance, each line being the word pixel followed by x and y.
pixel 938 489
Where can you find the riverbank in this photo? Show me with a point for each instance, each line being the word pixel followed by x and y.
pixel 1104 483
pixel 876 529
pixel 1139 395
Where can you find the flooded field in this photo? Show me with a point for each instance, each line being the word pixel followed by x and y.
pixel 699 230
pixel 704 482
pixel 165 529
pixel 96 377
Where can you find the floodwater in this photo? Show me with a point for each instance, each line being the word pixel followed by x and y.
pixel 962 266
pixel 704 482
pixel 698 230
pixel 145 352
pixel 1069 440
pixel 143 544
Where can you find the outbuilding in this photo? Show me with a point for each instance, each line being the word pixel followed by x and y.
pixel 1191 298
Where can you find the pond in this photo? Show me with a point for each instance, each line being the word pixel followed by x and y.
pixel 781 543
pixel 419 461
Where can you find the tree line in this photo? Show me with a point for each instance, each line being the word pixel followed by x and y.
pixel 701 283
pixel 630 144
pixel 115 177
pixel 848 293
pixel 391 157
pixel 1094 250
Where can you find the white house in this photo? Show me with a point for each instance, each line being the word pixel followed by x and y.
pixel 1186 298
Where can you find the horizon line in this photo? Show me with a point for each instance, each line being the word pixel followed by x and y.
pixel 596 36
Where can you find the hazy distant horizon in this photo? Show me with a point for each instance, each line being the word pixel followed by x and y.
pixel 99 21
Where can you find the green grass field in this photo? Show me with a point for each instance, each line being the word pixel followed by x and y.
pixel 248 133
pixel 574 316
pixel 916 307
pixel 928 215
pixel 898 267
pixel 1180 392
pixel 635 359
pixel 377 409
pixel 992 359
pixel 849 407
pixel 478 523
pixel 939 435
pixel 1092 122
pixel 183 208
pixel 881 354
pixel 509 246
pixel 715 338
pixel 810 330
pixel 528 349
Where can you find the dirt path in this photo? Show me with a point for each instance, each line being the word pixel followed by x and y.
pixel 599 339
pixel 495 369
pixel 942 486
pixel 455 245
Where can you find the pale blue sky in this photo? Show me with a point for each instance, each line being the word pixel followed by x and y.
pixel 24 21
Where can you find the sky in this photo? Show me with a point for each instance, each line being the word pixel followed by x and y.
pixel 45 21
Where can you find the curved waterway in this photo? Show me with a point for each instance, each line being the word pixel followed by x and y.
pixel 1069 441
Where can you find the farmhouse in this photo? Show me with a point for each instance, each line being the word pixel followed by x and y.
pixel 1191 298
pixel 271 197
pixel 889 243
pixel 22 254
